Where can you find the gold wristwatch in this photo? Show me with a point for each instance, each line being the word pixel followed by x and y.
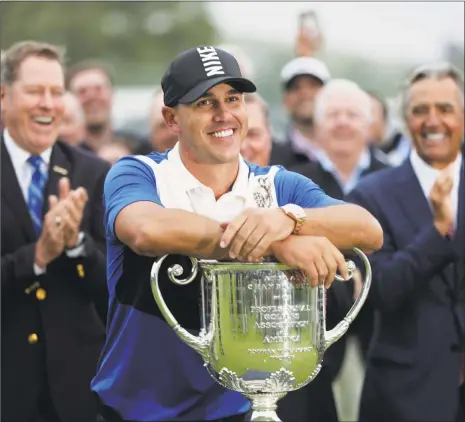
pixel 297 214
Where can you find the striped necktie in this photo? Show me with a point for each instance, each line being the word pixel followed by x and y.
pixel 36 191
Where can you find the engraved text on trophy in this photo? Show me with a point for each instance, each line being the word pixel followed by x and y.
pixel 282 321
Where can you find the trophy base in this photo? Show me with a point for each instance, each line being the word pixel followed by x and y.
pixel 264 407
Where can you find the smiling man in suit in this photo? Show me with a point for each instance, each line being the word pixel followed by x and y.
pixel 415 362
pixel 53 261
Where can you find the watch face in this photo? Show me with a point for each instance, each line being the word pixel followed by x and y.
pixel 295 210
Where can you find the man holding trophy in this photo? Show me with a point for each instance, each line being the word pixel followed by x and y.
pixel 201 200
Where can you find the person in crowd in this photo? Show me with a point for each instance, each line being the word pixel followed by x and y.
pixel 342 121
pixel 415 362
pixel 161 136
pixel 198 200
pixel 301 79
pixel 115 150
pixel 92 83
pixel 256 146
pixel 2 54
pixel 379 126
pixel 53 248
pixel 379 119
pixel 73 128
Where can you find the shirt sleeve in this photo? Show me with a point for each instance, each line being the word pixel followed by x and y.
pixel 129 180
pixel 293 188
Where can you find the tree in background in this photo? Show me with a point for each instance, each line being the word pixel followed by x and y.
pixel 138 39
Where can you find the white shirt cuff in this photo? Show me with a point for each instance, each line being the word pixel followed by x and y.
pixel 79 249
pixel 38 270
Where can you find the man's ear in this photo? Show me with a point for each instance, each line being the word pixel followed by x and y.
pixel 2 96
pixel 170 115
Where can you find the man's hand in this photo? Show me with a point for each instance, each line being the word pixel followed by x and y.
pixel 317 256
pixel 51 242
pixel 252 233
pixel 441 202
pixel 307 45
pixel 73 202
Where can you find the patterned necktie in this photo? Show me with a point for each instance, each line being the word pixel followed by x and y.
pixel 36 192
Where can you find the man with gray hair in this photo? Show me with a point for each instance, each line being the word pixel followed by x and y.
pixel 342 119
pixel 415 363
pixel 342 131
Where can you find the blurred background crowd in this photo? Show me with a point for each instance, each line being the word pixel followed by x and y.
pixel 117 51
pixel 372 44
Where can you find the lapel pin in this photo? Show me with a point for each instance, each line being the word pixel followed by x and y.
pixel 61 170
pixel 80 270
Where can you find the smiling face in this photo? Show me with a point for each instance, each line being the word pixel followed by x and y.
pixel 211 129
pixel 72 126
pixel 256 147
pixel 299 98
pixel 343 125
pixel 435 118
pixel 93 89
pixel 33 105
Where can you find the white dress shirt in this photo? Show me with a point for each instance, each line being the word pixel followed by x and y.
pixel 22 167
pixel 427 175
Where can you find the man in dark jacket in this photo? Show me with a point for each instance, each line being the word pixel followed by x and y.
pixel 301 80
pixel 53 248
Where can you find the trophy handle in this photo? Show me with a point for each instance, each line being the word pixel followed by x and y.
pixel 199 343
pixel 340 329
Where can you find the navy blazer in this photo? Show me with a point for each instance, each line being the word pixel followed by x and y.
pixel 418 293
pixel 65 320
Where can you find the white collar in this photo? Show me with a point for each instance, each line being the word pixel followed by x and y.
pixel 18 155
pixel 427 174
pixel 363 162
pixel 188 182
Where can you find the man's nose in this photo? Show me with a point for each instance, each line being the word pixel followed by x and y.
pixel 433 118
pixel 222 113
pixel 46 100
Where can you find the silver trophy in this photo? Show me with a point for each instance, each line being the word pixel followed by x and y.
pixel 264 330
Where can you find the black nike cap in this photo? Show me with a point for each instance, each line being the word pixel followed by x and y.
pixel 193 72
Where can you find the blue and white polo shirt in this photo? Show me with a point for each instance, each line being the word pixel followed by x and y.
pixel 146 373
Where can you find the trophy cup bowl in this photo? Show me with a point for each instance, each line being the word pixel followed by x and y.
pixel 263 326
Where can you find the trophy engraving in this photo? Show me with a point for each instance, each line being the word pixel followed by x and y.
pixel 264 330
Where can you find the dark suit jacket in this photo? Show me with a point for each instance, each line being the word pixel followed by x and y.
pixel 283 155
pixel 315 401
pixel 69 330
pixel 340 295
pixel 418 293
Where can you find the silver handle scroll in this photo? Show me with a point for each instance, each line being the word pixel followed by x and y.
pixel 341 328
pixel 199 343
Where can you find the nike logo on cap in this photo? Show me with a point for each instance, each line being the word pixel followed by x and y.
pixel 210 61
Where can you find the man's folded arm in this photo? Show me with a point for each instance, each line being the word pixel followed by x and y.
pixel 152 230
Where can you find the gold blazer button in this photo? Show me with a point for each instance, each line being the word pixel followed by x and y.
pixel 41 294
pixel 33 338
